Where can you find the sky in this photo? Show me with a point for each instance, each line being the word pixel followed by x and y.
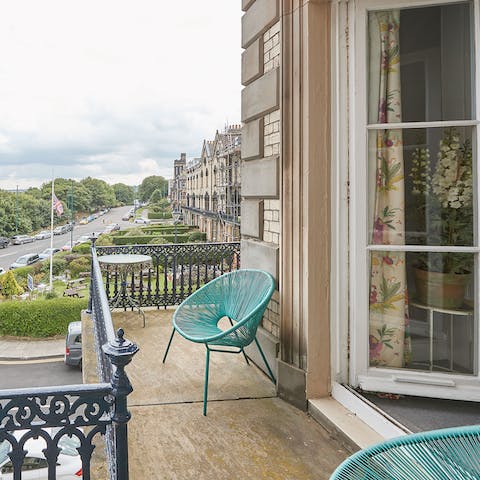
pixel 114 89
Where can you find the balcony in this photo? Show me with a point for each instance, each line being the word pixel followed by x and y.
pixel 248 433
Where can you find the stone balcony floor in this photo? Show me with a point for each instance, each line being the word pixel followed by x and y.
pixel 248 432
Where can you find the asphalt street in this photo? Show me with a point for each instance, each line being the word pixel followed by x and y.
pixel 12 252
pixel 38 374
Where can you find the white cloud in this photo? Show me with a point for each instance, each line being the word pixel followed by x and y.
pixel 114 89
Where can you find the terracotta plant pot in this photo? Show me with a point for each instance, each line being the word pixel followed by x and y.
pixel 443 290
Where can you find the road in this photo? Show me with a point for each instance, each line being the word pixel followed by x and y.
pixel 25 375
pixel 12 252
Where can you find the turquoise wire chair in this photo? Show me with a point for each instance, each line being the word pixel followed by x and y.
pixel 450 453
pixel 241 296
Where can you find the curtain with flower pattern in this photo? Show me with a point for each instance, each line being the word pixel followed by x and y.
pixel 388 283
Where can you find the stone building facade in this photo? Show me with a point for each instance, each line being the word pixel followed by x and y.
pixel 312 176
pixel 177 183
pixel 212 187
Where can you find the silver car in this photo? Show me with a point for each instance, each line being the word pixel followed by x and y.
pixel 73 345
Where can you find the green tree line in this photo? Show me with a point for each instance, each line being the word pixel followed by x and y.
pixel 29 211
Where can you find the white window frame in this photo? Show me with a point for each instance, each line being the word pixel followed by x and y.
pixel 403 381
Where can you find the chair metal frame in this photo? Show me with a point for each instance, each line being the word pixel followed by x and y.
pixel 216 340
pixel 446 454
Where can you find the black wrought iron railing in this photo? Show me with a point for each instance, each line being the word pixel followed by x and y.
pixel 176 271
pixel 80 412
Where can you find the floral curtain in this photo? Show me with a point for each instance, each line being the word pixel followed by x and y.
pixel 388 283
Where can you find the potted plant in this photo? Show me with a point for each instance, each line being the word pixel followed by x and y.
pixel 444 199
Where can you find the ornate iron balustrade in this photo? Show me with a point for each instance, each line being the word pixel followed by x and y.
pixel 81 411
pixel 177 271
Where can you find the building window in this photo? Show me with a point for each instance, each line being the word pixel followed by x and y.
pixel 419 222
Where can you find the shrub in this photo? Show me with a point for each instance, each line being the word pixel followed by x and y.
pixel 159 215
pixel 59 265
pixel 145 239
pixel 78 265
pixel 197 237
pixel 50 295
pixel 157 241
pixel 104 240
pixel 9 286
pixel 21 275
pixel 82 248
pixel 134 232
pixel 40 318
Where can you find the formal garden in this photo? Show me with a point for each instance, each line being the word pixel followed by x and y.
pixel 41 312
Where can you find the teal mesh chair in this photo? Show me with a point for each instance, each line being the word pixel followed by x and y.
pixel 240 296
pixel 451 453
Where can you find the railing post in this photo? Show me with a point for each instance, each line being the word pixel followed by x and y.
pixel 89 310
pixel 120 352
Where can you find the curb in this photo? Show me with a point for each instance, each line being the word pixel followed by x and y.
pixel 32 358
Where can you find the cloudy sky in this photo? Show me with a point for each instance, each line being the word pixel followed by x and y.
pixel 115 89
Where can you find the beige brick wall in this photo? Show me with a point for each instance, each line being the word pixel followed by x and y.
pixel 271 48
pixel 271 221
pixel 268 131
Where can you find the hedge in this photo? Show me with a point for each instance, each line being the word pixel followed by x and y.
pixel 159 216
pixel 39 318
pixel 146 239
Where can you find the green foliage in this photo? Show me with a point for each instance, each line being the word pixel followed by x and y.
pixel 82 248
pixel 145 239
pixel 157 241
pixel 101 193
pixel 59 265
pixel 40 318
pixel 50 295
pixel 21 275
pixel 78 265
pixel 9 286
pixel 156 196
pixel 159 216
pixel 150 184
pixel 104 240
pixel 134 232
pixel 197 237
pixel 123 193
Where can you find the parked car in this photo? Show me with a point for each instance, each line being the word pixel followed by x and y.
pixel 83 221
pixel 61 229
pixel 21 239
pixel 42 235
pixel 145 221
pixel 35 466
pixel 111 228
pixel 73 345
pixel 2 270
pixel 46 253
pixel 25 260
pixel 4 242
pixel 68 246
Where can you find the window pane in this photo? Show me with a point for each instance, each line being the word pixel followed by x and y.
pixel 431 50
pixel 421 186
pixel 421 319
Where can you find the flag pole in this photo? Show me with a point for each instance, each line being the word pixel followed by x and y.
pixel 51 237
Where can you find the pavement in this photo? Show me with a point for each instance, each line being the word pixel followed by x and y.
pixel 15 350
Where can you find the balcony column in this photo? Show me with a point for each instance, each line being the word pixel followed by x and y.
pixel 120 352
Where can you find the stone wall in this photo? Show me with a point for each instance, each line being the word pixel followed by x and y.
pixel 261 145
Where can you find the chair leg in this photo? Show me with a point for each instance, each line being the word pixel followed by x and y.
pixel 205 388
pixel 168 346
pixel 236 334
pixel 271 375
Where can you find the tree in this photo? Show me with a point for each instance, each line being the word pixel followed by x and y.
pixel 101 193
pixel 150 184
pixel 156 196
pixel 9 285
pixel 123 193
